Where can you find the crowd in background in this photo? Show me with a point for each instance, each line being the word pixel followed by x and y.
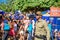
pixel 16 26
pixel 20 26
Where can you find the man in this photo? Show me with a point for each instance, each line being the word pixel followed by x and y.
pixel 41 32
pixel 30 28
pixel 1 25
pixel 5 29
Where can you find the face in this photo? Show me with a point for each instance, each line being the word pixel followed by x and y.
pixel 30 12
pixel 37 17
pixel 24 17
pixel 3 18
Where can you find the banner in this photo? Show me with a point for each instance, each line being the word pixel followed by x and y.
pixel 54 11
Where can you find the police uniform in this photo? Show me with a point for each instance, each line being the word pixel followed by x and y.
pixel 42 32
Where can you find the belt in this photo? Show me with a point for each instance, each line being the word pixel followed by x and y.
pixel 41 36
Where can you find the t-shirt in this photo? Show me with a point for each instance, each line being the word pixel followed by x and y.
pixel 50 27
pixel 30 28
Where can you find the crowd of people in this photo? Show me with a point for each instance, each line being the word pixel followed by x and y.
pixel 23 27
pixel 16 27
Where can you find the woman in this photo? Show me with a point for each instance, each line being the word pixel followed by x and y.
pixel 1 29
pixel 26 23
pixel 21 31
pixel 12 32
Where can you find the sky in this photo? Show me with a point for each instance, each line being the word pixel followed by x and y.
pixel 2 1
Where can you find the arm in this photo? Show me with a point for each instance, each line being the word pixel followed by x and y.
pixel 33 24
pixel 47 30
pixel 2 26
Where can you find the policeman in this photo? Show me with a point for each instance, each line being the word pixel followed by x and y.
pixel 42 32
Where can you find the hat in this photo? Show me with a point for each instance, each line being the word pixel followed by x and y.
pixel 38 13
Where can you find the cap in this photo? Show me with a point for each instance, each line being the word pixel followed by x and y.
pixel 38 13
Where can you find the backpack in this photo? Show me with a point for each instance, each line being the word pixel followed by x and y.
pixel 6 27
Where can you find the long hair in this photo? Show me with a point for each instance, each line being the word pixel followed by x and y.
pixel 0 19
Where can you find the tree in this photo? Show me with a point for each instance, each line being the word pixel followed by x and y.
pixel 26 4
pixel 23 5
pixel 2 7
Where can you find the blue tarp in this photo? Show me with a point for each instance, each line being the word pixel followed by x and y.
pixel 46 17
pixel 56 22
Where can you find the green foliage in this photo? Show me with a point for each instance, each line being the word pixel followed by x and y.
pixel 22 5
pixel 57 3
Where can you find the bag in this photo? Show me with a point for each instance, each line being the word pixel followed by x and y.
pixel 6 27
